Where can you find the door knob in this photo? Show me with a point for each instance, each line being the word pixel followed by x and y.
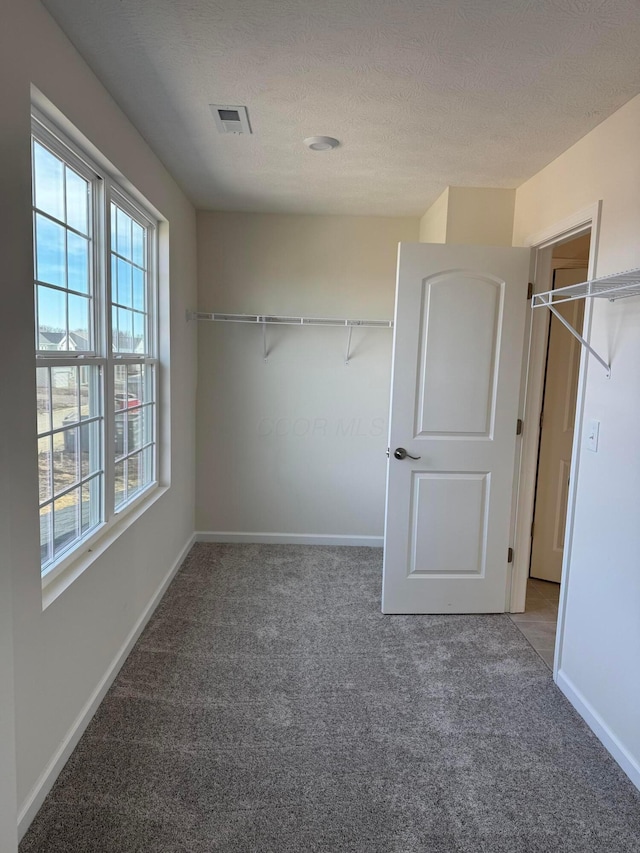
pixel 401 453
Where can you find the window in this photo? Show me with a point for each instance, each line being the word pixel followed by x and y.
pixel 96 358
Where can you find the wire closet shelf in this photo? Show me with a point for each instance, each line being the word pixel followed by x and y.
pixel 273 319
pixel 620 285
pixel 265 320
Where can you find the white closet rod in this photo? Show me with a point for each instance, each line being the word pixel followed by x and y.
pixel 273 319
pixel 265 320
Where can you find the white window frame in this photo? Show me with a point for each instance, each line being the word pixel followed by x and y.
pixel 105 189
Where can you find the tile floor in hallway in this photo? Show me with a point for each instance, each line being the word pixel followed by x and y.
pixel 538 622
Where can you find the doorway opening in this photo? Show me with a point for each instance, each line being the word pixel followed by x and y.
pixel 557 416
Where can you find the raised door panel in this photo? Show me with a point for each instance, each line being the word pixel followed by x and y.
pixel 449 524
pixel 460 342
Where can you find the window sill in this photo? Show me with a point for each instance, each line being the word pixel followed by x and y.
pixel 64 574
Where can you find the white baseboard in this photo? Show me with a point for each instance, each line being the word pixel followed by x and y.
pixel 600 728
pixel 288 538
pixel 49 775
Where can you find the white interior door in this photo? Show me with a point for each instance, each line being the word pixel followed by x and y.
pixel 458 341
pixel 556 435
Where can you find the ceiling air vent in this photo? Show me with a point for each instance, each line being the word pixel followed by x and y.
pixel 231 119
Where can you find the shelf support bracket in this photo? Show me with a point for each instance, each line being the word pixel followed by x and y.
pixel 265 351
pixel 347 354
pixel 579 337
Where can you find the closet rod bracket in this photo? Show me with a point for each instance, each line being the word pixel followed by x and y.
pixel 579 337
pixel 265 320
pixel 347 354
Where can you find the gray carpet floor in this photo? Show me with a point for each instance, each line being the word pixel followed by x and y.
pixel 270 707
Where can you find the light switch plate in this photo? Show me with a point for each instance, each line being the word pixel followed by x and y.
pixel 593 432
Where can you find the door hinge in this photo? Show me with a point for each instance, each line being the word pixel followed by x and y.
pixel 541 419
pixel 530 290
pixel 519 426
pixel 510 555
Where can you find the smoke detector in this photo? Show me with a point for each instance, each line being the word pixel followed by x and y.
pixel 321 143
pixel 231 119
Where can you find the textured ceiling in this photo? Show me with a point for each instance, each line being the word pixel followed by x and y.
pixel 422 93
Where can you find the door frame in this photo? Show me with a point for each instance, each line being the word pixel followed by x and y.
pixel 533 370
pixel 556 264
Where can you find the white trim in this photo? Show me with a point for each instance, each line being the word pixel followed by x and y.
pixel 544 241
pixel 52 118
pixel 71 566
pixel 288 538
pixel 600 728
pixel 37 795
pixel 568 228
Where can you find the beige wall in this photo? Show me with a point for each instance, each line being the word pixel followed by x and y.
pixel 12 186
pixel 470 216
pixel 480 216
pixel 297 445
pixel 433 225
pixel 599 663
pixel 63 653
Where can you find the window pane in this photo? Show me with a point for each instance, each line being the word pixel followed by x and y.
pixel 121 435
pixel 125 330
pixel 127 385
pixel 91 514
pixel 133 476
pixel 149 382
pixel 79 337
pixel 120 483
pixel 77 201
pixel 147 475
pixel 129 285
pixel 86 393
pixel 114 278
pixel 138 289
pixel 147 427
pixel 139 334
pixel 52 319
pixel 120 387
pixel 90 391
pixel 64 391
pixel 50 254
pixel 115 336
pixel 114 226
pixel 122 330
pixel 123 245
pixel 44 469
pixel 66 459
pixel 124 284
pixel 43 398
pixel 90 456
pixel 78 263
pixel 46 534
pixel 65 521
pixel 134 419
pixel 48 181
pixel 138 244
pixel 136 384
